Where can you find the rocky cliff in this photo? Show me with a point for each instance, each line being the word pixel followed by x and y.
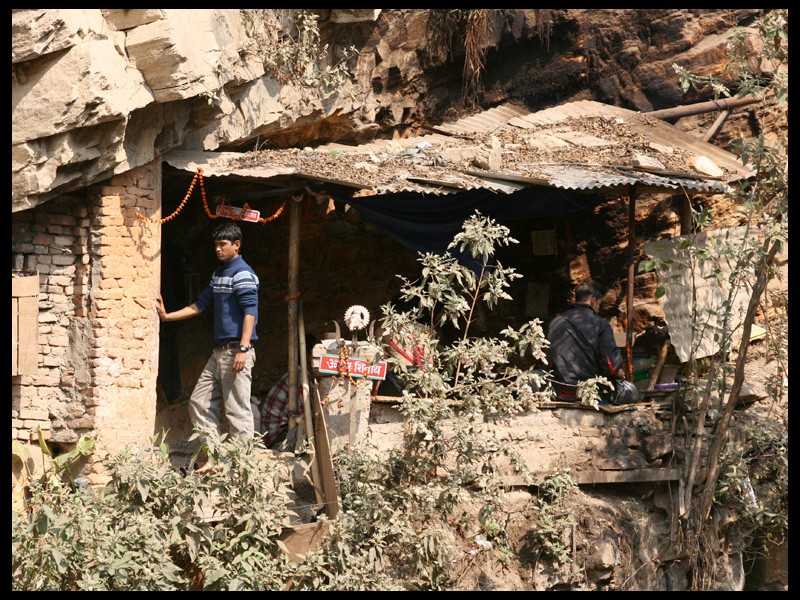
pixel 97 92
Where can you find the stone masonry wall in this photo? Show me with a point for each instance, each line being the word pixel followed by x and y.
pixel 126 266
pixel 99 268
pixel 55 243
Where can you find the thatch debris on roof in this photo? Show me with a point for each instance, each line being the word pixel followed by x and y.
pixel 579 146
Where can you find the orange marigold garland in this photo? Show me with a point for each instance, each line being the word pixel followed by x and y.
pixel 344 365
pixel 199 176
pixel 275 216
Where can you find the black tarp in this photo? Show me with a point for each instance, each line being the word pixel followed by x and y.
pixel 429 222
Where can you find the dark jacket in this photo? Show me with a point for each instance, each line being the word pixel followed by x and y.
pixel 582 345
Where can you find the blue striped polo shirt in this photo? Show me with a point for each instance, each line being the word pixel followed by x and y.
pixel 233 293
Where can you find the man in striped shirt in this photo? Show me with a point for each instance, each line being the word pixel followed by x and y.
pixel 226 379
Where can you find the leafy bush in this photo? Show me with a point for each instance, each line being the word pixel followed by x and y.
pixel 153 529
pixel 554 516
pixel 758 67
pixel 754 484
pixel 298 56
pixel 403 511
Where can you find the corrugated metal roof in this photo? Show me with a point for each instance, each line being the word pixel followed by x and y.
pixel 523 149
pixel 488 120
pixel 223 164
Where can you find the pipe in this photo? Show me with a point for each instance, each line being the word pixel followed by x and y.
pixel 701 107
pixel 716 125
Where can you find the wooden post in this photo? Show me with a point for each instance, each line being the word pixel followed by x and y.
pixel 685 214
pixel 631 274
pixel 301 336
pixel 292 297
pixel 662 357
pixel 330 489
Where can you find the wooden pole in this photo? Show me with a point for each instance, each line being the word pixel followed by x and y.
pixel 716 125
pixel 301 336
pixel 292 297
pixel 631 274
pixel 701 107
pixel 662 357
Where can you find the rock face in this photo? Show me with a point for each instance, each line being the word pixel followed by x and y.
pixel 97 92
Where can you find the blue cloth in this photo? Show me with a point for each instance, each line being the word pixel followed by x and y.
pixel 232 293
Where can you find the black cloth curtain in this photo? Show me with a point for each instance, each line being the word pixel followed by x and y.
pixel 429 222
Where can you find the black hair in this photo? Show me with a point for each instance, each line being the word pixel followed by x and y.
pixel 587 290
pixel 228 231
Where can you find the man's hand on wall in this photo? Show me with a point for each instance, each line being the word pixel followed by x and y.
pixel 160 310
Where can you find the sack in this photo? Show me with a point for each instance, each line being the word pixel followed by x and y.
pixel 624 392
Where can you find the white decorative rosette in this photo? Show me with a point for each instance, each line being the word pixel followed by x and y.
pixel 356 317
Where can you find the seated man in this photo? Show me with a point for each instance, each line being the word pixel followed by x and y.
pixel 582 346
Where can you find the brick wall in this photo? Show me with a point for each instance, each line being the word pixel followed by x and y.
pixel 99 268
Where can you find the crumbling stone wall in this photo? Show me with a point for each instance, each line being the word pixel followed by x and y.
pixel 99 268
pixel 54 242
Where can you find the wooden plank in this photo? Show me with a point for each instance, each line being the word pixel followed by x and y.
pixel 27 332
pixel 606 408
pixel 330 489
pixel 14 337
pixel 632 476
pixel 307 411
pixel 628 462
pixel 593 477
pixel 27 285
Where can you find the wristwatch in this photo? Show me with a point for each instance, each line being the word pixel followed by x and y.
pixel 244 348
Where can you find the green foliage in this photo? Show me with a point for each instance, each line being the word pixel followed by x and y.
pixel 152 529
pixel 401 512
pixel 554 518
pixel 755 484
pixel 589 391
pixel 758 67
pixel 382 539
pixel 299 56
